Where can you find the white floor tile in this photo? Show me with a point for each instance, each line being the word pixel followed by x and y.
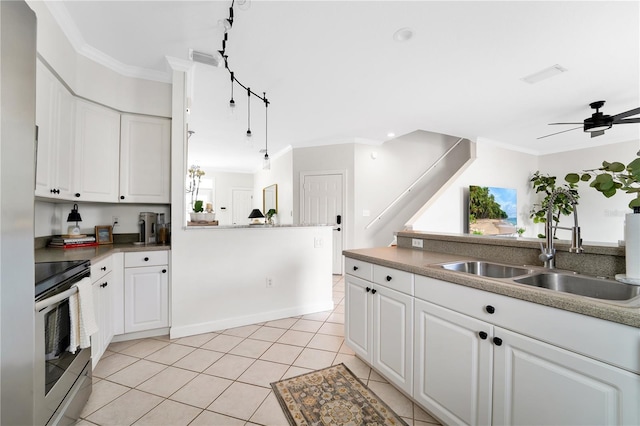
pixel 169 413
pixel 239 400
pixel 202 391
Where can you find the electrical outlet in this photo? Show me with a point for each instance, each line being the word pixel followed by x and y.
pixel 416 242
pixel 269 282
pixel 115 220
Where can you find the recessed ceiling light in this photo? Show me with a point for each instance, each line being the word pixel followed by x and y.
pixel 546 73
pixel 403 34
pixel 391 135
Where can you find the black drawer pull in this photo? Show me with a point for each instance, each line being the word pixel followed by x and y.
pixel 388 277
pixel 146 259
pixel 122 197
pixel 164 271
pixel 497 341
pixel 77 195
pixel 490 309
pixel 374 291
pixel 355 268
pixel 104 268
pixel 368 289
pixel 104 284
pixel 483 335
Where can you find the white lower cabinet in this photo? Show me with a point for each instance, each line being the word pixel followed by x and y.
pixel 474 372
pixel 453 365
pixel 146 291
pixel 103 288
pixel 379 328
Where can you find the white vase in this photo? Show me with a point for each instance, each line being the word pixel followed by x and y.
pixel 632 245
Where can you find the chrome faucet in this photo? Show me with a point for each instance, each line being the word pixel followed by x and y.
pixel 548 254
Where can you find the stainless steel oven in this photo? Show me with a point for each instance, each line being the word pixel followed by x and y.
pixel 62 380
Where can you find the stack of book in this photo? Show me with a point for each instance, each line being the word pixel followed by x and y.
pixel 75 241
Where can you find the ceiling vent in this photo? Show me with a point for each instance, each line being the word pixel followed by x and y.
pixel 546 73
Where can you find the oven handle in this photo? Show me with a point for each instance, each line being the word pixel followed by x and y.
pixel 44 304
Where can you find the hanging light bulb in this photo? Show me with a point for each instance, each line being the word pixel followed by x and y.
pixel 232 103
pixel 248 136
pixel 266 164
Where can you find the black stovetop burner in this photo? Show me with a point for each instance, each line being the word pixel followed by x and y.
pixel 52 274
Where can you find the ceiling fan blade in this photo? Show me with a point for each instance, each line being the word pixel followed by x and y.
pixel 596 134
pixel 627 121
pixel 557 133
pixel 552 124
pixel 629 113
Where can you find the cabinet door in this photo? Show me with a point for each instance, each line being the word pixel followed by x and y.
pixel 64 166
pixel 453 365
pixel 97 348
pixel 145 151
pixel 537 383
pixel 103 305
pixel 44 120
pixel 146 298
pixel 393 336
pixel 358 316
pixel 97 152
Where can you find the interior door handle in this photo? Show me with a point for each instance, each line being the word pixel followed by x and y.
pixel 339 219
pixel 337 229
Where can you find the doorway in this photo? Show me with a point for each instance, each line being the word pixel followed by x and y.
pixel 241 205
pixel 321 202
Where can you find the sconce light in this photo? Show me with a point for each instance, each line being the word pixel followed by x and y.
pixel 74 216
pixel 255 216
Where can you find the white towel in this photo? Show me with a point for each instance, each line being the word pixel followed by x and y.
pixel 82 315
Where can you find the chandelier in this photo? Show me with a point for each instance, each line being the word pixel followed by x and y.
pixel 221 58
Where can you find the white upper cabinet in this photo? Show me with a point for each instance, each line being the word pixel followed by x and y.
pixel 145 168
pixel 55 114
pixel 97 153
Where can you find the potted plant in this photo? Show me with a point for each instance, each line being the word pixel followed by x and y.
pixel 608 180
pixel 561 206
pixel 271 216
pixel 195 176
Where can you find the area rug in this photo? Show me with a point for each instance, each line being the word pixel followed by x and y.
pixel 332 396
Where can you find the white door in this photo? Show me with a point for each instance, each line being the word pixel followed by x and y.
pixel 540 384
pixel 241 206
pixel 322 200
pixel 453 359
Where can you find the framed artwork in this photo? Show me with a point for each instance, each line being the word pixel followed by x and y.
pixel 104 234
pixel 492 211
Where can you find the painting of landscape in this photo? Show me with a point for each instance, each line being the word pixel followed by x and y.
pixel 492 211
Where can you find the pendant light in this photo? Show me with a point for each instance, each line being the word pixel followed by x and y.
pixel 232 103
pixel 248 136
pixel 266 164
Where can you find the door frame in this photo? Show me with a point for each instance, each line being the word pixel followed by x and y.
pixel 343 174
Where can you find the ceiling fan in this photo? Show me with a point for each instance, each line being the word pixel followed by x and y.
pixel 599 122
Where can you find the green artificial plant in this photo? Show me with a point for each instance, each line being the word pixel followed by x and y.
pixel 546 184
pixel 612 177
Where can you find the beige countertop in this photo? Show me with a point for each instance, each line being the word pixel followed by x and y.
pixel 425 263
pixel 91 253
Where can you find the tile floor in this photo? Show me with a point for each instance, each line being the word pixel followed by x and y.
pixel 223 378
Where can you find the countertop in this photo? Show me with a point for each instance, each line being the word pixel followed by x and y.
pixel 425 263
pixel 92 253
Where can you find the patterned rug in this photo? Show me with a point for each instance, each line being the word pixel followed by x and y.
pixel 332 396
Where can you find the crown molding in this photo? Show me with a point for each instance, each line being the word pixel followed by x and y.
pixel 60 14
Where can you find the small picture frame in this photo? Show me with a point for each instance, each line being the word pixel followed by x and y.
pixel 104 234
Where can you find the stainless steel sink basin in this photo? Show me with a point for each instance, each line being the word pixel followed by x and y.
pixel 582 285
pixel 487 269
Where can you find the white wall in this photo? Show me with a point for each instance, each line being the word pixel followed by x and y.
pixel 601 219
pixel 493 166
pixel 281 174
pixel 51 218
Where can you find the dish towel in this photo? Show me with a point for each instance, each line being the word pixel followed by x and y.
pixel 82 315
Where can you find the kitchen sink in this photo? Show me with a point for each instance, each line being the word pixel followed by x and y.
pixel 582 285
pixel 487 269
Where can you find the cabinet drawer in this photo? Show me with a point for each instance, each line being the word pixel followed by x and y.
pixel 359 269
pixel 101 268
pixel 398 280
pixel 146 258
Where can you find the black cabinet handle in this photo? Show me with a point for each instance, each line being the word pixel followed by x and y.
pixel 104 284
pixel 497 341
pixel 337 229
pixel 104 268
pixel 374 291
pixel 355 268
pixel 388 277
pixel 490 309
pixel 146 259
pixel 368 289
pixel 483 335
pixel 55 191
pixel 77 195
pixel 164 271
pixel 122 197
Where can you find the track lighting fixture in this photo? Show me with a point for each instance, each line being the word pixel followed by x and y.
pixel 232 103
pixel 248 115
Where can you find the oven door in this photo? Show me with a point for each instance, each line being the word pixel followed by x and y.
pixel 62 380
